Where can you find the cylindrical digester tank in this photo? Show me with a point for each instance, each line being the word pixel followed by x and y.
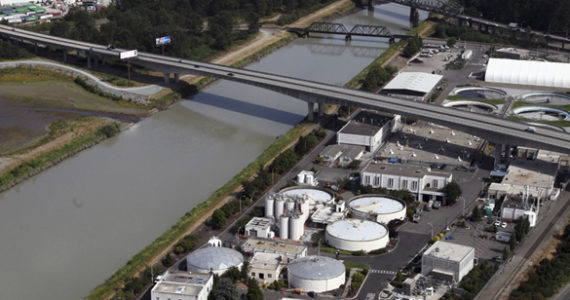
pixel 290 205
pixel 316 273
pixel 296 227
pixel 279 207
pixel 309 179
pixel 382 208
pixel 269 205
pixel 301 177
pixel 284 227
pixel 357 235
pixel 305 209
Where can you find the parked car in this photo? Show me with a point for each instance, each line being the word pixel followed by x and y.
pixel 497 223
pixel 312 294
pixel 504 225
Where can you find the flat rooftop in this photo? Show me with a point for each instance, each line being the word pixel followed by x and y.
pixel 403 170
pixel 182 283
pixel 326 215
pixel 448 251
pixel 258 222
pixel 358 128
pixel 539 173
pixel 266 261
pixel 272 246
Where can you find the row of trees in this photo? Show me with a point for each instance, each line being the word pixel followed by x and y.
pixel 414 45
pixel 549 275
pixel 225 286
pixel 11 51
pixel 473 282
pixel 377 76
pixel 199 28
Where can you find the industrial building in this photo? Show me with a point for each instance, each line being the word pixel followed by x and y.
pixel 379 208
pixel 528 72
pixel 329 214
pixel 260 228
pixel 214 258
pixel 350 154
pixel 331 153
pixel 357 235
pixel 307 178
pixel 367 129
pixel 316 273
pixel 448 261
pixel 416 86
pixel 515 207
pixel 289 250
pixel 183 286
pixel 425 184
pixel 265 267
pixel 513 53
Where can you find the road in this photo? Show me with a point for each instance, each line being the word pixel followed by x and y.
pixel 488 127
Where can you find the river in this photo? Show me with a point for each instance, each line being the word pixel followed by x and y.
pixel 66 230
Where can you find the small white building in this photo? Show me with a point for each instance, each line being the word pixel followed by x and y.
pixel 289 250
pixel 259 227
pixel 183 286
pixel 425 184
pixel 367 129
pixel 307 178
pixel 265 267
pixel 448 261
pixel 349 154
pixel 331 153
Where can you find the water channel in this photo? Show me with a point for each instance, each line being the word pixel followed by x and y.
pixel 66 230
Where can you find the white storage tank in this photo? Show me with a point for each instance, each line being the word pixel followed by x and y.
pixel 279 207
pixel 305 209
pixel 284 227
pixel 316 273
pixel 213 259
pixel 313 195
pixel 357 235
pixel 381 208
pixel 301 178
pixel 290 206
pixel 296 228
pixel 269 203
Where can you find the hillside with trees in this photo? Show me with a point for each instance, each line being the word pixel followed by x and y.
pixel 544 15
pixel 199 28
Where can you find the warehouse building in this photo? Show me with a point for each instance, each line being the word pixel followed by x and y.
pixel 367 129
pixel 416 86
pixel 448 261
pixel 528 72
pixel 214 258
pixel 259 227
pixel 425 184
pixel 513 53
pixel 265 267
pixel 183 286
pixel 316 273
pixel 357 235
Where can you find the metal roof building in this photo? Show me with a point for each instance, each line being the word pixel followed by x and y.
pixel 448 261
pixel 357 235
pixel 316 273
pixel 413 84
pixel 528 72
pixel 214 259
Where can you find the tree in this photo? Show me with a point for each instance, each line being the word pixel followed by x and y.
pixel 306 143
pixel 451 41
pixel 284 161
pixel 414 45
pixel 252 20
pixel 232 273
pixel 452 192
pixel 244 270
pixel 512 242
pixel 167 261
pixel 415 18
pixel 253 290
pixel 225 290
pixel 476 214
pixel 218 219
pixel 505 253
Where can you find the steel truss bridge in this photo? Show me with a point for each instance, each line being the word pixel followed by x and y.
pixel 338 28
pixel 446 7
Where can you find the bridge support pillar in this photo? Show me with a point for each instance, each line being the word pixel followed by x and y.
pixel 95 61
pixel 64 55
pixel 166 78
pixel 498 151
pixel 321 109
pixel 508 151
pixel 413 11
pixel 88 61
pixel 311 108
pixel 371 4
pixel 177 77
pixel 36 48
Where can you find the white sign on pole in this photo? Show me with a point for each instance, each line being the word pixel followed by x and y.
pixel 128 54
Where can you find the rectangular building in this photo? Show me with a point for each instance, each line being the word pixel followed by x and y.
pixel 183 286
pixel 290 250
pixel 416 86
pixel 425 184
pixel 367 129
pixel 265 267
pixel 258 227
pixel 448 261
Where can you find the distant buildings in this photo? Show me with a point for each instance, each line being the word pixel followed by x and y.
pixel 513 53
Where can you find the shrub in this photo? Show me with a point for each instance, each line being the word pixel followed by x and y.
pixel 218 219
pixel 110 130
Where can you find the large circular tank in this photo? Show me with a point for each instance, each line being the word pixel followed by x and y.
pixel 296 227
pixel 314 195
pixel 269 203
pixel 284 227
pixel 214 259
pixel 316 273
pixel 381 208
pixel 357 235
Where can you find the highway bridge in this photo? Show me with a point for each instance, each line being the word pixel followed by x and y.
pixel 494 129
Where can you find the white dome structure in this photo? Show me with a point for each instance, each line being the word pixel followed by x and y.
pixel 528 72
pixel 381 208
pixel 316 273
pixel 357 235
pixel 215 259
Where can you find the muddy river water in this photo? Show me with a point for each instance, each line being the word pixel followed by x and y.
pixel 68 229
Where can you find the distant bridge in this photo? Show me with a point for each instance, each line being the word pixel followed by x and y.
pixel 338 28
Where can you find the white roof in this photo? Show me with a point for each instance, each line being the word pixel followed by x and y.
pixel 448 251
pixel 528 72
pixel 357 230
pixel 414 81
pixel 376 204
pixel 215 258
pixel 265 261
